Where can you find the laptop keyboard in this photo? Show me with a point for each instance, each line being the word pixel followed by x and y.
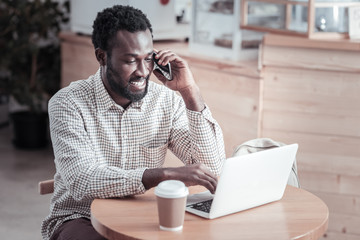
pixel 202 206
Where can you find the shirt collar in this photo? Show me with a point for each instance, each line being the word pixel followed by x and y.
pixel 104 101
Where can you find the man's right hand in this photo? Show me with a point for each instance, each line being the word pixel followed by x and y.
pixel 190 175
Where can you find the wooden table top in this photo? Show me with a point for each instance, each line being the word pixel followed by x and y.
pixel 298 215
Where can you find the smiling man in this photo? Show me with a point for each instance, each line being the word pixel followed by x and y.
pixel 110 132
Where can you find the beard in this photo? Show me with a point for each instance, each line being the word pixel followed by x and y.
pixel 124 91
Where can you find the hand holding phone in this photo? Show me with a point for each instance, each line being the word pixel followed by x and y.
pixel 164 70
pixel 183 79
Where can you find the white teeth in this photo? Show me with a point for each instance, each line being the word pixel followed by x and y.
pixel 140 83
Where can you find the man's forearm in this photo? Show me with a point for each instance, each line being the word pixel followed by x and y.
pixel 205 140
pixel 192 98
pixel 190 175
pixel 152 177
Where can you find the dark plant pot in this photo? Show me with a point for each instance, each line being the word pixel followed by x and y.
pixel 30 129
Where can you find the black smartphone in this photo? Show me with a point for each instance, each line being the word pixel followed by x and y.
pixel 164 70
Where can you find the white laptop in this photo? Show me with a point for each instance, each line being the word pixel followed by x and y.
pixel 245 182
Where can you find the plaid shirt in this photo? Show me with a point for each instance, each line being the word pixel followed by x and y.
pixel 101 150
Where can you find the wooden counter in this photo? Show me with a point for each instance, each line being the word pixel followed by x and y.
pixel 311 95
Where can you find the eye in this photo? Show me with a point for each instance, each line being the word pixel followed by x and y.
pixel 130 61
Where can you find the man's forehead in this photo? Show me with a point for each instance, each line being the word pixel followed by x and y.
pixel 139 39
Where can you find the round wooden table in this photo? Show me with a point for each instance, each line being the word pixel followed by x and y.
pixel 298 215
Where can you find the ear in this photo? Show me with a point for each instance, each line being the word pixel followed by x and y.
pixel 101 56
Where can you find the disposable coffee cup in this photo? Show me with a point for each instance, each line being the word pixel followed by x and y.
pixel 171 200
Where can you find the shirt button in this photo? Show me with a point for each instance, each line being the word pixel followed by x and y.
pixel 125 136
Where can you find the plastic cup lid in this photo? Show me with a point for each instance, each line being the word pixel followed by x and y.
pixel 171 189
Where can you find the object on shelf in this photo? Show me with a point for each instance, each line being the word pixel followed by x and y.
pixel 224 40
pixel 307 18
pixel 215 31
pixel 225 7
pixel 354 22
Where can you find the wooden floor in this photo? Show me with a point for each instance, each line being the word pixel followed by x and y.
pixel 22 209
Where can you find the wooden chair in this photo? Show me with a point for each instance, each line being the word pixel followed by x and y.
pixel 46 187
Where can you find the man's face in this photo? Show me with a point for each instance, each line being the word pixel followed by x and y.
pixel 129 65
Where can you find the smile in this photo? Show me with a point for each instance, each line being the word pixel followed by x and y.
pixel 138 83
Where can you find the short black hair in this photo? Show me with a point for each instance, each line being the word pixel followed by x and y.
pixel 109 21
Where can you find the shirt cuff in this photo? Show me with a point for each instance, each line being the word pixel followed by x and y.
pixel 194 115
pixel 139 186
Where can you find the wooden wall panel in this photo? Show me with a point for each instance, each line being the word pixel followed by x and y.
pixel 330 183
pixel 324 59
pixel 78 62
pixel 311 43
pixel 323 153
pixel 327 162
pixel 234 103
pixel 345 223
pixel 330 235
pixel 311 123
pixel 340 203
pixel 312 91
pixel 303 101
pixel 311 96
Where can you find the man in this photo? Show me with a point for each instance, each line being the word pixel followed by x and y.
pixel 110 133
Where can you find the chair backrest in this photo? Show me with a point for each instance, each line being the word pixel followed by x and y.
pixel 46 187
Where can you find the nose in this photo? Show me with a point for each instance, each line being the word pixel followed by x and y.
pixel 143 69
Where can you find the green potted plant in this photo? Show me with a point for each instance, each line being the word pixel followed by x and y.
pixel 30 63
